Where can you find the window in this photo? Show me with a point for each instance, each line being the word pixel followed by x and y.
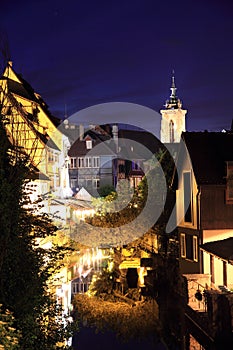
pixel 189 246
pixel 224 273
pixel 171 131
pixel 88 183
pixel 121 165
pixel 182 245
pixel 87 162
pixel 80 162
pixel 96 183
pixel 96 162
pixel 73 182
pixel 212 268
pixel 89 144
pixel 229 190
pixel 187 197
pixel 195 248
pixel 73 162
pixel 136 165
pixel 50 156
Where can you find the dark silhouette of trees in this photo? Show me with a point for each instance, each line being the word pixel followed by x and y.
pixel 26 268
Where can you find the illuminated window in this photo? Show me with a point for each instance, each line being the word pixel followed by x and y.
pixel 195 249
pixel 229 189
pixel 171 131
pixel 189 246
pixel 89 144
pixel 182 245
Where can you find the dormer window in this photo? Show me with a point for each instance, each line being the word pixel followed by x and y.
pixel 89 144
pixel 229 189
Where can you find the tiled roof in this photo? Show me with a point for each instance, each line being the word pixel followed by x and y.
pixel 105 146
pixel 209 152
pixel 137 150
pixel 144 138
pixel 222 249
pixel 20 90
pixel 25 90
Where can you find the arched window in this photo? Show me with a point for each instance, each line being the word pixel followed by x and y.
pixel 171 131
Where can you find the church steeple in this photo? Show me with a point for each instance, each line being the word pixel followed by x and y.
pixel 173 117
pixel 174 101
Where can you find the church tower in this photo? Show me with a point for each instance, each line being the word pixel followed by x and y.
pixel 173 118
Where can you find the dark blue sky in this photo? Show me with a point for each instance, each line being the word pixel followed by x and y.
pixel 81 53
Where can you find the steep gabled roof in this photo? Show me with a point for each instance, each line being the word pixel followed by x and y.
pixel 21 90
pixel 222 249
pixel 144 138
pixel 17 85
pixel 105 145
pixel 209 152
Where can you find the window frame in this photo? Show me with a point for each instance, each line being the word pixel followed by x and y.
pixel 188 212
pixel 183 245
pixel 73 162
pixel 195 248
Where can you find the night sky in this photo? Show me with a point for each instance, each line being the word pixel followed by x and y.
pixel 78 54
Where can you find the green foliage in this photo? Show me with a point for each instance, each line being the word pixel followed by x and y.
pixel 9 336
pixel 102 284
pixel 26 268
pixel 104 191
pixel 172 295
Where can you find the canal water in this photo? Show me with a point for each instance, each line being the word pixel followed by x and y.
pixel 87 339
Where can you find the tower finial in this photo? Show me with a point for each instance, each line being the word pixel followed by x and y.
pixel 173 88
pixel 174 101
pixel 173 79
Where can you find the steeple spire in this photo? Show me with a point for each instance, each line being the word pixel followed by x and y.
pixel 173 102
pixel 173 88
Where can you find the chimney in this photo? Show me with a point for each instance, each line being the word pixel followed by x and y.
pixel 115 135
pixel 81 132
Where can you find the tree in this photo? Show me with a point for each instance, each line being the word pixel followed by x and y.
pixel 106 190
pixel 26 269
pixel 9 337
pixel 166 283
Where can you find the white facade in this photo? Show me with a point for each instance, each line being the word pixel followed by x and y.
pixel 173 118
